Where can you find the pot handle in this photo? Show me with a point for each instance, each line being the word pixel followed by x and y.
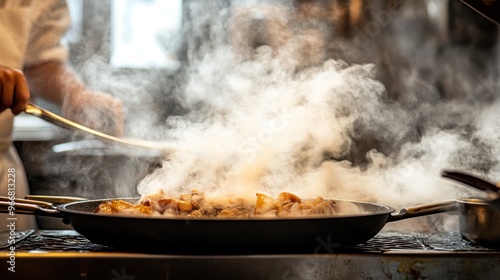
pixel 423 210
pixel 28 207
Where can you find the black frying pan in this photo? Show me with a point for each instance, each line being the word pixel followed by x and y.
pixel 271 235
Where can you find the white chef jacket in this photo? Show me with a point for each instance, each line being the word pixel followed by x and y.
pixel 30 34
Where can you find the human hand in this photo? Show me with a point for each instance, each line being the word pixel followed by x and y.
pixel 97 110
pixel 14 92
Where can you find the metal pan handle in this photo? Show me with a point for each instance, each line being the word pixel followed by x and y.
pixel 424 210
pixel 44 204
pixel 54 199
pixel 470 180
pixel 28 207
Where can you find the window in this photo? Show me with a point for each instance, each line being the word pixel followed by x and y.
pixel 142 32
pixel 138 34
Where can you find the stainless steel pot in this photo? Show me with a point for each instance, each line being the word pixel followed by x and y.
pixel 479 219
pixel 479 222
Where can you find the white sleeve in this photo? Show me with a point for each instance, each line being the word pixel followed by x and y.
pixel 45 44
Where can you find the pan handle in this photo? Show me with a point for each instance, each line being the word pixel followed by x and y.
pixel 14 207
pixel 44 204
pixel 53 199
pixel 423 210
pixel 470 180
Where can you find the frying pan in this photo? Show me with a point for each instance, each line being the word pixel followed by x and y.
pixel 214 235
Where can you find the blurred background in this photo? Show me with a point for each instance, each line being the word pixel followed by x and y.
pixel 423 52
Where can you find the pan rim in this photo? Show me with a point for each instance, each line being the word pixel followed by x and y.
pixel 386 211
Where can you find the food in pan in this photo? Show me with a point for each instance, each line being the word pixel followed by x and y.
pixel 197 205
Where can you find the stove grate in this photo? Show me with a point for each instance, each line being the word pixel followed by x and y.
pixel 68 240
pixel 53 240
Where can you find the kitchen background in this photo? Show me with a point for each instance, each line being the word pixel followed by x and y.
pixel 360 99
pixel 437 61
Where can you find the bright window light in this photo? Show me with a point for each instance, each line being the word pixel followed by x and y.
pixel 142 32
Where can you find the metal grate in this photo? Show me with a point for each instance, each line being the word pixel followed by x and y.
pixel 68 240
pixel 53 240
pixel 392 241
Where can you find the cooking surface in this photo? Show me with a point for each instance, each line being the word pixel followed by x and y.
pixel 388 255
pixel 386 242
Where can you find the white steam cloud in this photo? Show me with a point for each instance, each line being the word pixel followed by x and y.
pixel 265 119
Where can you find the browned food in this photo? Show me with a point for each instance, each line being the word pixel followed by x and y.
pixel 197 205
pixel 123 207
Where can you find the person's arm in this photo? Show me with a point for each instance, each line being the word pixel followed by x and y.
pixel 48 76
pixel 14 93
pixel 53 81
pixel 56 82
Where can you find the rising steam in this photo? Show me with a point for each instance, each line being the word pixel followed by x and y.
pixel 278 117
